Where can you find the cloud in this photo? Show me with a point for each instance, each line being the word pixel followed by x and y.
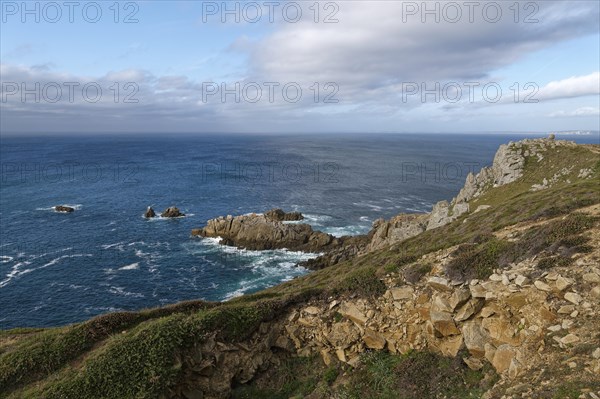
pixel 371 50
pixel 579 112
pixel 575 86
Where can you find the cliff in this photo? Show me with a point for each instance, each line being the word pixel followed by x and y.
pixel 494 294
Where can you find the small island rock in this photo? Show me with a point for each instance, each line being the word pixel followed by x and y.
pixel 149 213
pixel 63 209
pixel 172 212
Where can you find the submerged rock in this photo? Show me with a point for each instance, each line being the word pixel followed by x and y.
pixel 64 209
pixel 172 212
pixel 149 213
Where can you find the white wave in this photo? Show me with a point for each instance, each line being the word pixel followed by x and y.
pixel 316 219
pixel 352 230
pixel 6 259
pixel 16 269
pixel 133 266
pixel 159 218
pixel 121 291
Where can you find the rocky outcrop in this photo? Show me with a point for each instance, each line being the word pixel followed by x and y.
pixel 348 248
pixel 172 212
pixel 64 209
pixel 259 232
pixel 505 321
pixel 149 213
pixel 398 228
pixel 277 215
pixel 507 167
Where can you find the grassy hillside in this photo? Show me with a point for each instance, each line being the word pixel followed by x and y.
pixel 138 354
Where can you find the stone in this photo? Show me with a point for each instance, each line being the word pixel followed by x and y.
pixel 475 338
pixel 522 280
pixel 64 209
pixel 373 339
pixel 443 323
pixel 595 292
pixel 327 358
pixel 450 346
pixel 439 284
pixel 562 283
pixel 469 309
pixel 490 351
pixel 350 311
pixel 566 309
pixel 487 311
pixel 401 293
pixel 515 369
pixel 546 314
pixel 149 213
pixel 569 339
pixel 473 363
pixel 312 310
pixel 540 285
pixel 440 304
pixel 596 353
pixel 495 277
pixel 574 298
pixel 591 278
pixel 503 357
pixel 477 291
pixel 341 355
pixel 517 301
pixel 172 212
pixel 459 298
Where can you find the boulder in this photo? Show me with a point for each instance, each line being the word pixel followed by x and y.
pixel 149 213
pixel 64 209
pixel 172 212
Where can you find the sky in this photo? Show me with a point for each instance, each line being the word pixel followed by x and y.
pixel 299 66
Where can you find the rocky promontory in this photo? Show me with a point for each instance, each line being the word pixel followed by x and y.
pixel 267 231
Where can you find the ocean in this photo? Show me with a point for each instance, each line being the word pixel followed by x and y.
pixel 57 269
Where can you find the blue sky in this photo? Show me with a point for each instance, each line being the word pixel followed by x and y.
pixel 367 60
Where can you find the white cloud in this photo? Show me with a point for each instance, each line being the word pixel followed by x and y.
pixel 575 86
pixel 579 112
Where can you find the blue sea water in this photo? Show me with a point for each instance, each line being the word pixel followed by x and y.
pixel 58 268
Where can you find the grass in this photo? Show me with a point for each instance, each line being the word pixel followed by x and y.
pixel 415 375
pixel 296 377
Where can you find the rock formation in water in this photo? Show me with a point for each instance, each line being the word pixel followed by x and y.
pixel 64 209
pixel 260 232
pixel 172 212
pixel 149 213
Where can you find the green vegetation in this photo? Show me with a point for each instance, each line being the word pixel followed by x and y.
pixel 298 376
pixel 363 281
pixel 414 273
pixel 415 375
